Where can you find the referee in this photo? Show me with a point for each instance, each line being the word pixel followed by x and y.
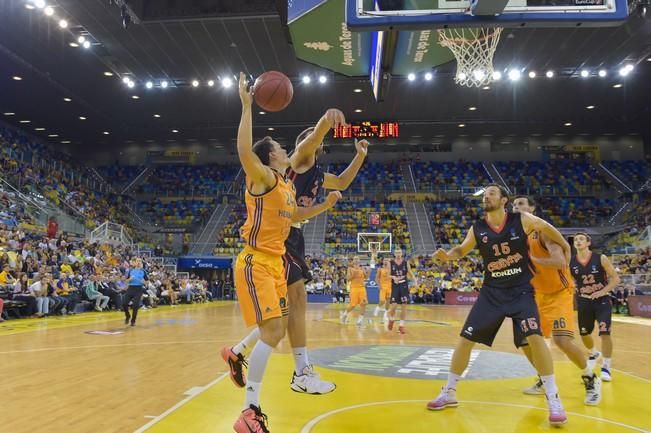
pixel 136 281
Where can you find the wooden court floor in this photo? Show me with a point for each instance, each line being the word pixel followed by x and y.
pixel 90 373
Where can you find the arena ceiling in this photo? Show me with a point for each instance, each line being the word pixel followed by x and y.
pixel 214 39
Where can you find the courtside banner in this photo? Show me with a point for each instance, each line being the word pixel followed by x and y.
pixel 460 298
pixel 640 306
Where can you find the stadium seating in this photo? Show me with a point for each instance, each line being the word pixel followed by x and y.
pixel 373 176
pixel 633 173
pixel 448 175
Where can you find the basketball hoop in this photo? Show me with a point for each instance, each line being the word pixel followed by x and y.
pixel 474 49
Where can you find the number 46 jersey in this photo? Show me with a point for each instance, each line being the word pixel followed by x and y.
pixel 505 251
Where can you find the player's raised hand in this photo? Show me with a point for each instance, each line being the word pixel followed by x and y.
pixel 332 198
pixel 335 117
pixel 440 255
pixel 246 94
pixel 362 147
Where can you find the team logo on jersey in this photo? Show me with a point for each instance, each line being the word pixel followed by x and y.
pixel 534 235
pixel 594 269
pixel 485 239
pixel 468 330
pixel 514 235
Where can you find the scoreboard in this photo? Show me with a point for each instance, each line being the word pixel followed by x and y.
pixel 368 129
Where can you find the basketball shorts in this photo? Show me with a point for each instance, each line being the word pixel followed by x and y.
pixel 400 293
pixel 385 293
pixel 295 267
pixel 261 286
pixel 358 297
pixel 493 306
pixel 556 315
pixel 595 310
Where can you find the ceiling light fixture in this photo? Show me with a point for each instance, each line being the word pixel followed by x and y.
pixel 585 73
pixel 590 107
pixel 227 82
pixel 472 108
pixel 74 44
pixel 17 78
pixel 532 74
pixel 149 84
pixel 67 99
pixel 81 39
pixel 53 135
pixel 462 125
pixel 323 79
pixel 39 129
pixel 9 114
pixel 106 133
pixel 211 83
pixel 157 116
pixel 39 3
pixel 86 44
pixel 25 121
pixel 195 83
pixel 549 74
pixel 411 76
pixel 358 110
pixel 357 90
pixel 617 86
pixel 429 76
pixel 82 118
pixel 176 131
pixel 131 84
pixel 135 97
pixel 497 76
pixel 108 74
pixel 306 79
pixel 29 6
pixel 514 74
pixel 164 84
pixel 271 129
pixel 602 73
pixel 49 11
pixel 568 124
pixel 63 24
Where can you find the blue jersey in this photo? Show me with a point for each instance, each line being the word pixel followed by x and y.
pixel 137 277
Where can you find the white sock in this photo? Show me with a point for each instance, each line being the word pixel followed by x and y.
pixel 452 381
pixel 252 393
pixel 606 363
pixel 301 359
pixel 257 365
pixel 587 371
pixel 550 385
pixel 248 341
pixel 593 351
pixel 402 323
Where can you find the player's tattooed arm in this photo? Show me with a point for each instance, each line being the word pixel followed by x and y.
pixel 343 181
pixel 556 257
pixel 533 223
pixel 306 149
pixel 468 244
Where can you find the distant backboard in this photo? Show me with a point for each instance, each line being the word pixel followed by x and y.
pixel 429 14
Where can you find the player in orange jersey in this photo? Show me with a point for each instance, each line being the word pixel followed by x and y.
pixel 259 272
pixel 356 276
pixel 554 292
pixel 383 281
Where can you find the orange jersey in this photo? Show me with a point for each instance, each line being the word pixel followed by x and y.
pixel 269 217
pixel 547 280
pixel 385 278
pixel 357 278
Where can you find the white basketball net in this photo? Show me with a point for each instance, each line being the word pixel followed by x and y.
pixel 474 49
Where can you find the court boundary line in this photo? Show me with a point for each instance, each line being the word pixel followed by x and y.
pixel 307 428
pixel 180 404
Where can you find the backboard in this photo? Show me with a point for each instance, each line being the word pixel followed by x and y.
pixel 430 14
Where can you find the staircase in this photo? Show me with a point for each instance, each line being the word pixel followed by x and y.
pixel 138 180
pixel 418 220
pixel 206 240
pixel 314 233
pixel 619 184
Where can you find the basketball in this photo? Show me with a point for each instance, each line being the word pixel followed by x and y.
pixel 273 91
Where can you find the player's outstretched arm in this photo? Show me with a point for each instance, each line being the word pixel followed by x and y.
pixel 305 150
pixel 533 223
pixel 255 170
pixel 343 181
pixel 305 213
pixel 613 278
pixel 459 251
